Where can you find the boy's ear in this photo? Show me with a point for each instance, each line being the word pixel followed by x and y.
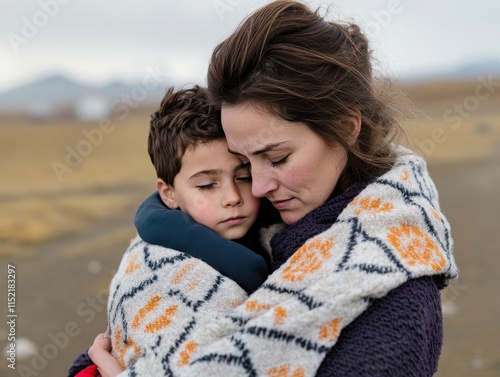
pixel 353 122
pixel 167 194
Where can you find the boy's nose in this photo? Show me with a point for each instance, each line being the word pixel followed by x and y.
pixel 232 197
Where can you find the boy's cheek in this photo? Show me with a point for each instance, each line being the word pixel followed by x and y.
pixel 249 198
pixel 199 202
pixel 254 204
pixel 203 211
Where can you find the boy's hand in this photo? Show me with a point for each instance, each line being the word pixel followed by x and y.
pixel 100 354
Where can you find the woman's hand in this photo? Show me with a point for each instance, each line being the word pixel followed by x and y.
pixel 100 354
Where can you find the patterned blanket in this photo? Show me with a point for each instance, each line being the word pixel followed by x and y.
pixel 173 315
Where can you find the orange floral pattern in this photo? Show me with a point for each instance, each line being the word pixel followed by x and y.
pixel 132 264
pixel 162 321
pixel 285 371
pixel 184 271
pixel 405 175
pixel 255 306
pixel 187 351
pixel 308 259
pixel 330 331
pixel 372 206
pixel 279 315
pixel 151 305
pixel 415 247
pixel 121 348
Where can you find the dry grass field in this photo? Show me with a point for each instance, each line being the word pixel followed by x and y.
pixel 65 228
pixel 43 197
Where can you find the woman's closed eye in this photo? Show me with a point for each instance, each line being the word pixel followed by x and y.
pixel 279 162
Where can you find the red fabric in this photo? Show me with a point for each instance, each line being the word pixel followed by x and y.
pixel 90 371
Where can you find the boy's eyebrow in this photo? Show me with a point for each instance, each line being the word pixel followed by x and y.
pixel 205 172
pixel 241 166
pixel 264 149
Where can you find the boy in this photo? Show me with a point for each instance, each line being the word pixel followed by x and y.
pixel 208 194
pixel 187 148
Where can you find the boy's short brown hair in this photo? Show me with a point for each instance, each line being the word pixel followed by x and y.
pixel 185 118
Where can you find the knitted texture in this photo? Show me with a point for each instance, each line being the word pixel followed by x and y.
pixel 286 242
pixel 392 232
pixel 81 362
pixel 399 334
pixel 158 295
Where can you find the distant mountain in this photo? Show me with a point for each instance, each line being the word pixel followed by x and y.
pixel 486 67
pixel 468 71
pixel 56 92
pixel 53 94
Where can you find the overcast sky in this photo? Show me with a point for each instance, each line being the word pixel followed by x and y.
pixel 98 41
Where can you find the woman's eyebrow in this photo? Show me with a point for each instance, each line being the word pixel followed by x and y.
pixel 264 149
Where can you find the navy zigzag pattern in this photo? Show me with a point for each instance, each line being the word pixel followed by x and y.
pixel 303 298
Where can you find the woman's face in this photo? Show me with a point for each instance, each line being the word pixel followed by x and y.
pixel 291 165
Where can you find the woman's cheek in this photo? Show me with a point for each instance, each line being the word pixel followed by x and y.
pixel 294 178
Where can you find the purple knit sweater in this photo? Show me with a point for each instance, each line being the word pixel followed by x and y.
pixel 398 335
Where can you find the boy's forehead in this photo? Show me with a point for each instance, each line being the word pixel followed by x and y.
pixel 212 148
pixel 210 158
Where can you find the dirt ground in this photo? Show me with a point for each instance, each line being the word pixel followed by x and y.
pixel 469 198
pixel 61 295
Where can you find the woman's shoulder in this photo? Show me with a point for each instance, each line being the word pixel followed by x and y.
pixel 399 317
pixel 399 334
pixel 414 292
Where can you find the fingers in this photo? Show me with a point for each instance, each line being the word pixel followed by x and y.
pixel 100 354
pixel 102 344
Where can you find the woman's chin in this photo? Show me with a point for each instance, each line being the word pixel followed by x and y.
pixel 289 217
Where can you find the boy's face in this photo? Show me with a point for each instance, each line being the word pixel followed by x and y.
pixel 214 189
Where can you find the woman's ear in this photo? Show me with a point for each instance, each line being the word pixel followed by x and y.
pixel 167 194
pixel 353 123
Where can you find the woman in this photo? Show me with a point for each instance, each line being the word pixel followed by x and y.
pixel 355 291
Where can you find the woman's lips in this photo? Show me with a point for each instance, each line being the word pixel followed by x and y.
pixel 281 204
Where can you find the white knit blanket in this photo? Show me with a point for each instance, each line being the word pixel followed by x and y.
pixel 173 315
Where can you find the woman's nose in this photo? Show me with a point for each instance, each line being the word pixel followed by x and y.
pixel 262 183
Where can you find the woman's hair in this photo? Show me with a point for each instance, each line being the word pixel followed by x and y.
pixel 302 68
pixel 185 119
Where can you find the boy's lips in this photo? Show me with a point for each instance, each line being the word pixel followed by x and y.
pixel 236 220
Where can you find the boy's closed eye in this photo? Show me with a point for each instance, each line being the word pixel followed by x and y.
pixel 206 187
pixel 244 178
pixel 242 172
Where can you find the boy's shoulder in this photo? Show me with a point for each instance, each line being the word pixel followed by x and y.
pixel 158 225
